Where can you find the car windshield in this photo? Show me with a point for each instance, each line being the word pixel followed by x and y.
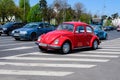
pixel 68 27
pixel 8 24
pixel 31 25
pixel 95 27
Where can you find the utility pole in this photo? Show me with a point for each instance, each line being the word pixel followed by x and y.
pixel 24 10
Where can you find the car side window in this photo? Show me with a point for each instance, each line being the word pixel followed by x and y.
pixel 47 25
pixel 89 29
pixel 80 29
pixel 41 26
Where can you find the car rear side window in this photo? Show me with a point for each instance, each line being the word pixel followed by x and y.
pixel 80 29
pixel 89 29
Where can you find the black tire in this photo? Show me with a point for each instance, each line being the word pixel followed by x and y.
pixel 17 39
pixel 66 48
pixel 9 33
pixel 95 45
pixel 42 49
pixel 106 37
pixel 33 37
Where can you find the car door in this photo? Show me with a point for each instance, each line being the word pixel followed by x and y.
pixel 89 35
pixel 41 29
pixel 80 37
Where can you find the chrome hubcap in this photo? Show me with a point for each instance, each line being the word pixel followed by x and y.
pixel 95 45
pixel 66 48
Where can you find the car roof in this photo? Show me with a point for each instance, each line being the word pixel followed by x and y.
pixel 76 23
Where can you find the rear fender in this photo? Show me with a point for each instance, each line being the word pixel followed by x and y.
pixel 93 39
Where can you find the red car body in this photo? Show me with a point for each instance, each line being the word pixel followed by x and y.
pixel 69 36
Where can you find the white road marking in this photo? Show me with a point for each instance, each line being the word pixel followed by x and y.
pixel 16 44
pixel 102 52
pixel 48 65
pixel 109 50
pixel 57 59
pixel 35 73
pixel 18 48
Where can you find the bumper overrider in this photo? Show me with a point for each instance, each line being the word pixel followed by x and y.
pixel 47 46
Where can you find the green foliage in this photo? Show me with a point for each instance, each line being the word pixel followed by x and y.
pixel 7 9
pixel 85 18
pixel 108 23
pixel 43 9
pixel 25 8
pixel 34 14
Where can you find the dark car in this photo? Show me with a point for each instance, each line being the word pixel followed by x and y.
pixel 1 29
pixel 31 31
pixel 108 28
pixel 9 27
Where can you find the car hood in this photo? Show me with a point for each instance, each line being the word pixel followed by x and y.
pixel 24 29
pixel 51 36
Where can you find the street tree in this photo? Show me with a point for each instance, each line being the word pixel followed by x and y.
pixel 25 8
pixel 79 9
pixel 34 14
pixel 43 9
pixel 8 9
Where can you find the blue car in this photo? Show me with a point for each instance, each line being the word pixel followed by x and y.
pixel 32 31
pixel 99 32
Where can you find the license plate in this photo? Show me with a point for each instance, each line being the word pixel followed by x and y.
pixel 41 44
pixel 16 34
pixel 1 30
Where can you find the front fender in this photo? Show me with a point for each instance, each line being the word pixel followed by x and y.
pixel 63 39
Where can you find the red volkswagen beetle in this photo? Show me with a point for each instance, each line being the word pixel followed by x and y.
pixel 69 36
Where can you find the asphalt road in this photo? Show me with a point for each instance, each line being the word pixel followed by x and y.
pixel 22 60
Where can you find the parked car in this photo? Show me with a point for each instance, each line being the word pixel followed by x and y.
pixel 1 29
pixel 31 31
pixel 69 36
pixel 99 32
pixel 9 27
pixel 108 28
pixel 118 28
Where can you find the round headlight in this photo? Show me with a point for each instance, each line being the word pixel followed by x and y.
pixel 56 41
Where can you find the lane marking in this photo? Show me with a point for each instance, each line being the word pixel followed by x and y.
pixel 109 50
pixel 102 52
pixel 47 65
pixel 15 44
pixel 57 59
pixel 18 48
pixel 35 73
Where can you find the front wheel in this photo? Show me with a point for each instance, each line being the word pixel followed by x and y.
pixel 95 45
pixel 33 37
pixel 42 49
pixel 17 39
pixel 65 49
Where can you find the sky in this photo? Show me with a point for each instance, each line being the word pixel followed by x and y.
pixel 99 7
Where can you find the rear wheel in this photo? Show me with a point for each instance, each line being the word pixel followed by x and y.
pixel 17 39
pixel 106 37
pixel 95 45
pixel 65 49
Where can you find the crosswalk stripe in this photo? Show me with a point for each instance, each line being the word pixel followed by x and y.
pixel 18 48
pixel 57 59
pixel 84 55
pixel 11 44
pixel 102 52
pixel 48 65
pixel 109 50
pixel 35 73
